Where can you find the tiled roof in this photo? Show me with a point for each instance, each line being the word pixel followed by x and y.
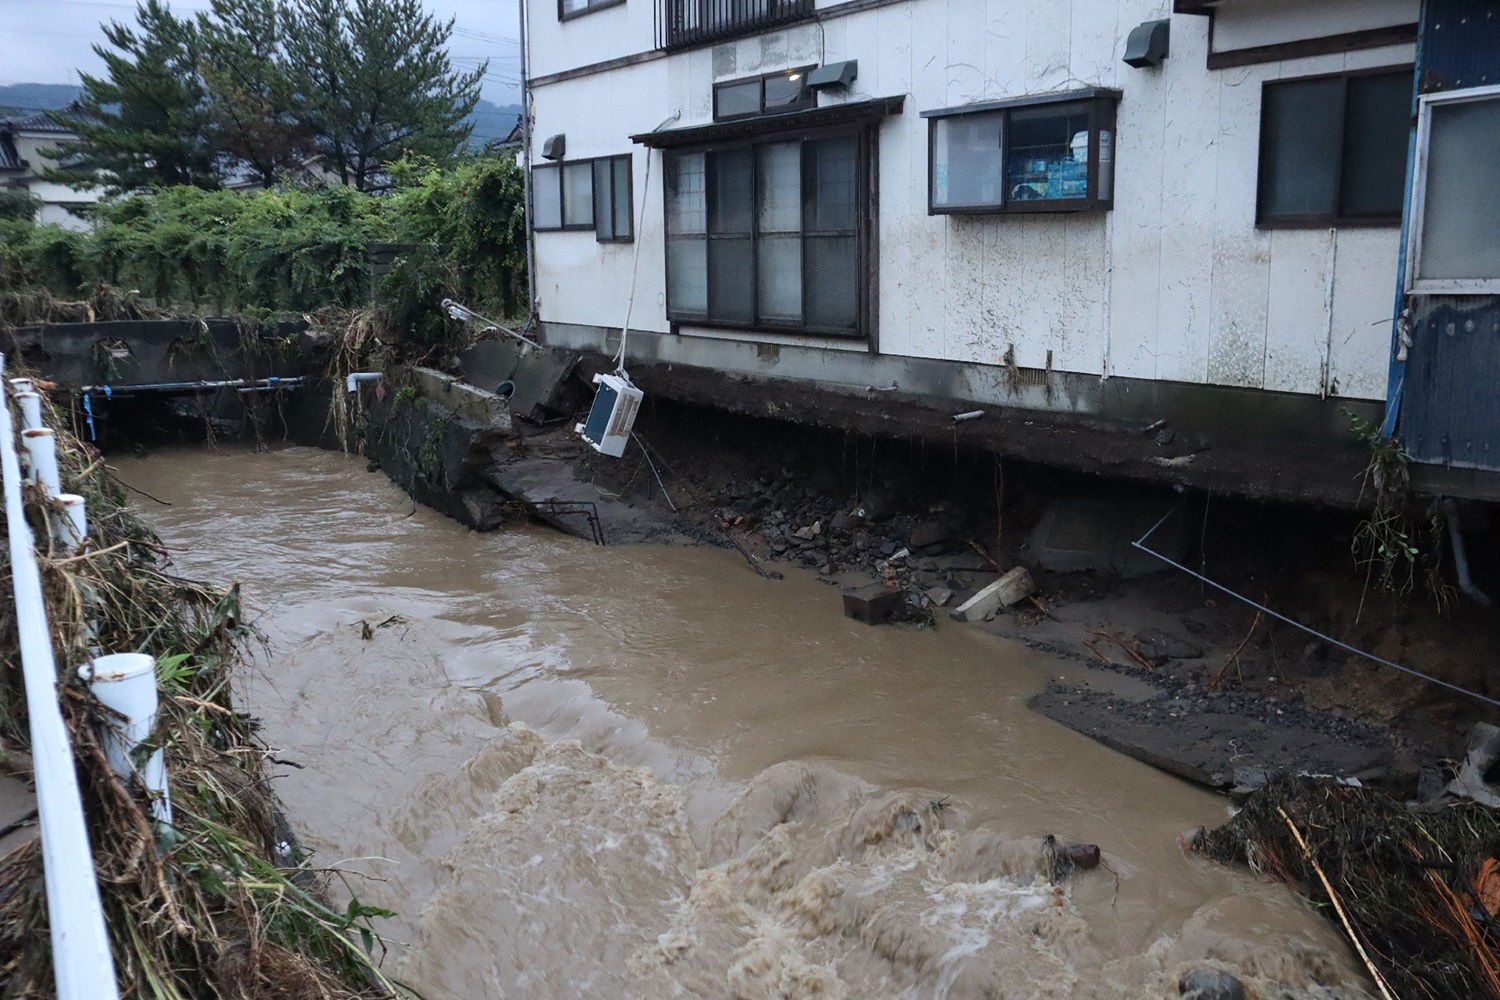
pixel 9 160
pixel 40 122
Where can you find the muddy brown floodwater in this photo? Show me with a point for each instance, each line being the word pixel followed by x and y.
pixel 645 772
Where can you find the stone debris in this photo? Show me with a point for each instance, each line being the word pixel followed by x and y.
pixel 1210 984
pixel 1014 586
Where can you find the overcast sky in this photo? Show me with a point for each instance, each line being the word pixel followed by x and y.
pixel 48 41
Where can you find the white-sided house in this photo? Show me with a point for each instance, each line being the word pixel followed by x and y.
pixel 1177 222
pixel 22 163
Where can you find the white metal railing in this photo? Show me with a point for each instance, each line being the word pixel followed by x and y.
pixel 81 959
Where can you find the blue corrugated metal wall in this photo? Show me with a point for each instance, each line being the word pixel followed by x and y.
pixel 1448 391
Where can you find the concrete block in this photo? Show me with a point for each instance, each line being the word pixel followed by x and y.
pixel 875 604
pixel 1078 534
pixel 484 409
pixel 1014 586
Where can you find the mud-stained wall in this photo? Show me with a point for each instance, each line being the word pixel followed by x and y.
pixel 1175 283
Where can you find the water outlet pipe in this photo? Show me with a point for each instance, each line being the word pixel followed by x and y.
pixel 22 385
pixel 70 522
pixel 354 378
pixel 81 962
pixel 31 410
pixel 1461 556
pixel 41 448
pixel 126 683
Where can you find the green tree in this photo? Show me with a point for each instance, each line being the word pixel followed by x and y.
pixel 145 123
pixel 373 83
pixel 248 87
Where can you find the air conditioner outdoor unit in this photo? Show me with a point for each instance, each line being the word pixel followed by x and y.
pixel 607 429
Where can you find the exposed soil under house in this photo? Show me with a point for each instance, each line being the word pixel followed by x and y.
pixel 1151 660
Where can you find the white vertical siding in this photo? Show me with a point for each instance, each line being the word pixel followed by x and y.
pixel 1174 283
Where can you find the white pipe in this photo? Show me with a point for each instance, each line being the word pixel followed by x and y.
pixel 126 683
pixel 22 385
pixel 81 961
pixel 70 522
pixel 31 409
pixel 41 448
pixel 354 377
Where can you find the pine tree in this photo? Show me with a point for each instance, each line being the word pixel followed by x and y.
pixel 249 90
pixel 145 122
pixel 373 82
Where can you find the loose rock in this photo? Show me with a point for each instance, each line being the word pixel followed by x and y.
pixel 1210 984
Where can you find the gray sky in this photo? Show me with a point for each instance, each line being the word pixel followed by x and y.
pixel 48 41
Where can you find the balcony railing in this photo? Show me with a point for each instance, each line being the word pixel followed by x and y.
pixel 681 23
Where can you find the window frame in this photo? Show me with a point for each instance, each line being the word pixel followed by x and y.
pixel 1417 217
pixel 593 6
pixel 1102 112
pixel 629 159
pixel 865 151
pixel 809 98
pixel 562 204
pixel 1321 220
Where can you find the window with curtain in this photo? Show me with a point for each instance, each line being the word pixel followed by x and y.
pixel 766 234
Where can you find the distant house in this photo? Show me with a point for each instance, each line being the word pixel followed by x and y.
pixel 22 165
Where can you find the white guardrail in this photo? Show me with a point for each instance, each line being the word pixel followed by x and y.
pixel 81 959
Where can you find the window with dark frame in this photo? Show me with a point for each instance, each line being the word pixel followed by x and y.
pixel 1051 153
pixel 1333 149
pixel 766 234
pixel 577 8
pixel 771 93
pixel 584 194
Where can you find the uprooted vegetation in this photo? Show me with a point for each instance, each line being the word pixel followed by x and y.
pixel 220 903
pixel 1417 892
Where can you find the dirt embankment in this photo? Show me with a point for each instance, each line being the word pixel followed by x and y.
pixel 1153 661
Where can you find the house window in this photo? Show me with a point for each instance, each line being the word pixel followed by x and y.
pixel 612 201
pixel 1455 212
pixel 767 234
pixel 577 8
pixel 1053 153
pixel 1333 149
pixel 584 194
pixel 769 94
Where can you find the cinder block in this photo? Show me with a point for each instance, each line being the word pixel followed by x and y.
pixel 875 604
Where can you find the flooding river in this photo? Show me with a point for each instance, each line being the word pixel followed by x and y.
pixel 646 772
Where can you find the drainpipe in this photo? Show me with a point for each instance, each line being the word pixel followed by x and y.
pixel 1461 556
pixel 354 378
pixel 531 303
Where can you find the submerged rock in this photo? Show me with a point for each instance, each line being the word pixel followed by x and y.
pixel 1210 984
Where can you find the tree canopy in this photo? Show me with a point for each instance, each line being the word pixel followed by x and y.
pixel 269 91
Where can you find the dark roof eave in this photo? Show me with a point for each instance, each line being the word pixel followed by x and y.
pixel 831 114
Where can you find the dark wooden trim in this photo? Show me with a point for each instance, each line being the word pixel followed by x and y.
pixel 594 5
pixel 1302 48
pixel 808 99
pixel 1058 97
pixel 766 125
pixel 651 55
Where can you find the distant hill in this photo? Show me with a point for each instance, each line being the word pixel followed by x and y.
pixel 492 122
pixel 31 97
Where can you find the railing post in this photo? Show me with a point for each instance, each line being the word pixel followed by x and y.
pixel 126 683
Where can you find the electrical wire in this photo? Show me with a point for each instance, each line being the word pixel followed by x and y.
pixel 635 264
pixel 1141 544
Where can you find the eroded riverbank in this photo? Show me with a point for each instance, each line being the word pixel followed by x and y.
pixel 748 809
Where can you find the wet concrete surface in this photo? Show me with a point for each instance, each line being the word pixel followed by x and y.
pixel 644 771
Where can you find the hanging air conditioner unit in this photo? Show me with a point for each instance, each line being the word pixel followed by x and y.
pixel 607 429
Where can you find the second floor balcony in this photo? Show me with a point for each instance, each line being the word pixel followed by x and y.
pixel 684 23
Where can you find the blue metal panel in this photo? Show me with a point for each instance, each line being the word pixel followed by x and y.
pixel 598 419
pixel 1452 412
pixel 1458 45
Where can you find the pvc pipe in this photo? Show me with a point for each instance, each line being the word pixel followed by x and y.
pixel 1461 556
pixel 22 385
pixel 81 960
pixel 41 448
pixel 70 522
pixel 126 683
pixel 31 409
pixel 353 378
pixel 271 382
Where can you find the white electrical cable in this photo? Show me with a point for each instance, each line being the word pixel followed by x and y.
pixel 635 264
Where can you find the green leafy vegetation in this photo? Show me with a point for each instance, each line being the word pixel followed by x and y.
pixel 459 233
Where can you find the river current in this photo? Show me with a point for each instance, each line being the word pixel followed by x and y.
pixel 646 772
